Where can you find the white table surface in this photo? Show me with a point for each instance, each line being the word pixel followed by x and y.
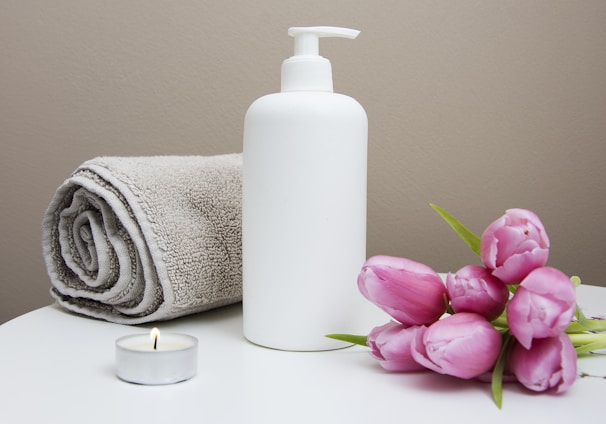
pixel 56 367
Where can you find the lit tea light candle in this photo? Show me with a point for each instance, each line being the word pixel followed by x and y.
pixel 156 359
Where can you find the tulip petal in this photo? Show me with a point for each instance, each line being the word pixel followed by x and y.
pixel 463 345
pixel 517 266
pixel 412 293
pixel 514 245
pixel 391 345
pixel 550 363
pixel 474 289
pixel 399 263
pixel 543 306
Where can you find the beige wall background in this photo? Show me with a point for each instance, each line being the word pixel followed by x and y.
pixel 478 106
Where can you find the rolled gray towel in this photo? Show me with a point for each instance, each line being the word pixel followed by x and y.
pixel 140 239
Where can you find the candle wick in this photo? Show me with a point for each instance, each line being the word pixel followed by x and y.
pixel 155 342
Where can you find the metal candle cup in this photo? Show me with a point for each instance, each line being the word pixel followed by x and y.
pixel 167 359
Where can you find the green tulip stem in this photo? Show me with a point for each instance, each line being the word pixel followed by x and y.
pixel 587 342
pixel 499 368
pixel 501 322
pixel 596 325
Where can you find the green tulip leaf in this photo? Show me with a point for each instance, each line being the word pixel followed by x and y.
pixel 349 338
pixel 472 240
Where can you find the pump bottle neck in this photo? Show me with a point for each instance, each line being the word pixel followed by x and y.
pixel 306 70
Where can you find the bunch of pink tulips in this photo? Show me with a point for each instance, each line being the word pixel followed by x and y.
pixel 508 317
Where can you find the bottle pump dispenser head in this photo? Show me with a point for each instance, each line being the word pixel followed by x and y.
pixel 307 70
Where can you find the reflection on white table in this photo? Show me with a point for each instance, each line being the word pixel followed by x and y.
pixel 56 367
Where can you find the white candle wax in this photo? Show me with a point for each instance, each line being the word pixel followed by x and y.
pixel 175 358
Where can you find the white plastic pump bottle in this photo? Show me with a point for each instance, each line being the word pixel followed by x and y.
pixel 304 205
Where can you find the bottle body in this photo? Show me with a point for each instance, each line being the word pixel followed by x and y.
pixel 303 218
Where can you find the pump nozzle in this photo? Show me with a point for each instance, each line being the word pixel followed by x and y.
pixel 307 70
pixel 306 38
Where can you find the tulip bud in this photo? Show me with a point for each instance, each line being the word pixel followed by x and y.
pixel 542 306
pixel 551 363
pixel 412 293
pixel 474 289
pixel 390 345
pixel 514 245
pixel 463 345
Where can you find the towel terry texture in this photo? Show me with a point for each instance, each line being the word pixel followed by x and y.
pixel 140 239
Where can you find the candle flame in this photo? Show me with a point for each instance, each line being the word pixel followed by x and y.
pixel 154 334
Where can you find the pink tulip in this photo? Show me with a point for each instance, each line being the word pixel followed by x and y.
pixel 474 289
pixel 543 306
pixel 390 345
pixel 514 245
pixel 412 293
pixel 550 363
pixel 463 345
